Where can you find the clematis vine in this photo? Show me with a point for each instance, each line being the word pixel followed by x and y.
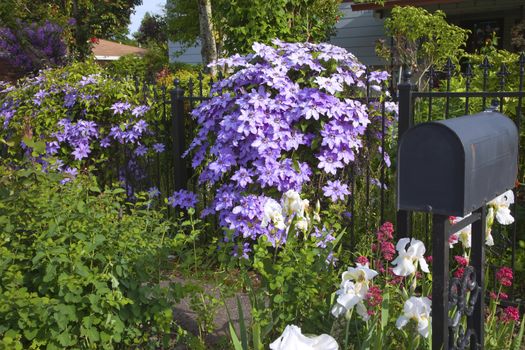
pixel 293 339
pixel 265 131
pixel 418 310
pixel 408 260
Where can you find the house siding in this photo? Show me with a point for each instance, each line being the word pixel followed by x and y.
pixel 358 32
pixel 189 55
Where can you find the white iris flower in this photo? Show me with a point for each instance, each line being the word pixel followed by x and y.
pixel 417 309
pixel 407 260
pixel 293 339
pixel 353 290
pixel 273 213
pixel 501 205
pixel 293 204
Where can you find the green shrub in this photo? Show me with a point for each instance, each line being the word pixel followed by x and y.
pixel 128 65
pixel 79 267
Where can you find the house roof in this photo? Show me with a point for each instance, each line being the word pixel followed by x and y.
pixel 370 5
pixel 105 50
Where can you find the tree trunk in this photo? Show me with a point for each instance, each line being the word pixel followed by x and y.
pixel 209 48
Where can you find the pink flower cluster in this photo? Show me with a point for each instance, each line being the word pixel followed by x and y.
pixel 362 260
pixel 373 299
pixel 384 238
pixel 510 314
pixel 500 296
pixel 462 261
pixel 505 276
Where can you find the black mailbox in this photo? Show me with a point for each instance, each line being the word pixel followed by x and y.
pixel 454 166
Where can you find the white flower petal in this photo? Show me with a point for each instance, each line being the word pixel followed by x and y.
pixel 422 327
pixel 424 265
pixel 417 247
pixel 362 311
pixel 503 216
pixel 404 268
pixel 292 339
pixel 324 342
pixel 489 240
pixel 348 301
pixel 401 244
pixel 418 309
pixel 338 310
pixel 369 273
pixel 401 321
pixel 505 199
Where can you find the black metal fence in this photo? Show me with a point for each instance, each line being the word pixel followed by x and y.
pixel 449 92
pixel 475 88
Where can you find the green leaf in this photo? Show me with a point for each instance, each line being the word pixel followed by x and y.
pixel 50 273
pixel 82 269
pixel 30 333
pixel 65 339
pixel 242 326
pixel 385 311
pixel 92 334
pixel 519 338
pixel 235 340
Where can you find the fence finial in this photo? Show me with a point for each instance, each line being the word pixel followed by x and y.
pixel 485 65
pixel 502 74
pixel 449 68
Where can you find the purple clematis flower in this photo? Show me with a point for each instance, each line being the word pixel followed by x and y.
pixel 335 190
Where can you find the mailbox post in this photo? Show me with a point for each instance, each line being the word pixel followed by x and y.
pixel 453 168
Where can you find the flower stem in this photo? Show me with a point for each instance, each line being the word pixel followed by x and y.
pixel 347 330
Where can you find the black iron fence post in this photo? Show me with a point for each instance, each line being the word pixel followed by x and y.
pixel 180 177
pixel 477 319
pixel 457 298
pixel 440 281
pixel 405 122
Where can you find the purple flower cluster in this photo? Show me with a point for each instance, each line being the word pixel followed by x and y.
pixel 129 132
pixel 7 111
pixel 336 190
pixel 183 199
pixel 77 135
pixel 33 46
pixel 264 130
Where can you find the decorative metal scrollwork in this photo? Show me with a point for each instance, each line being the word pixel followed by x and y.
pixel 463 294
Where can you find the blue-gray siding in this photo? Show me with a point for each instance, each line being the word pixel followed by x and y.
pixel 189 55
pixel 358 31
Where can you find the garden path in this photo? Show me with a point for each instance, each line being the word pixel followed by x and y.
pixel 187 318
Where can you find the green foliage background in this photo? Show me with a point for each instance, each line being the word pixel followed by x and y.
pixel 79 268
